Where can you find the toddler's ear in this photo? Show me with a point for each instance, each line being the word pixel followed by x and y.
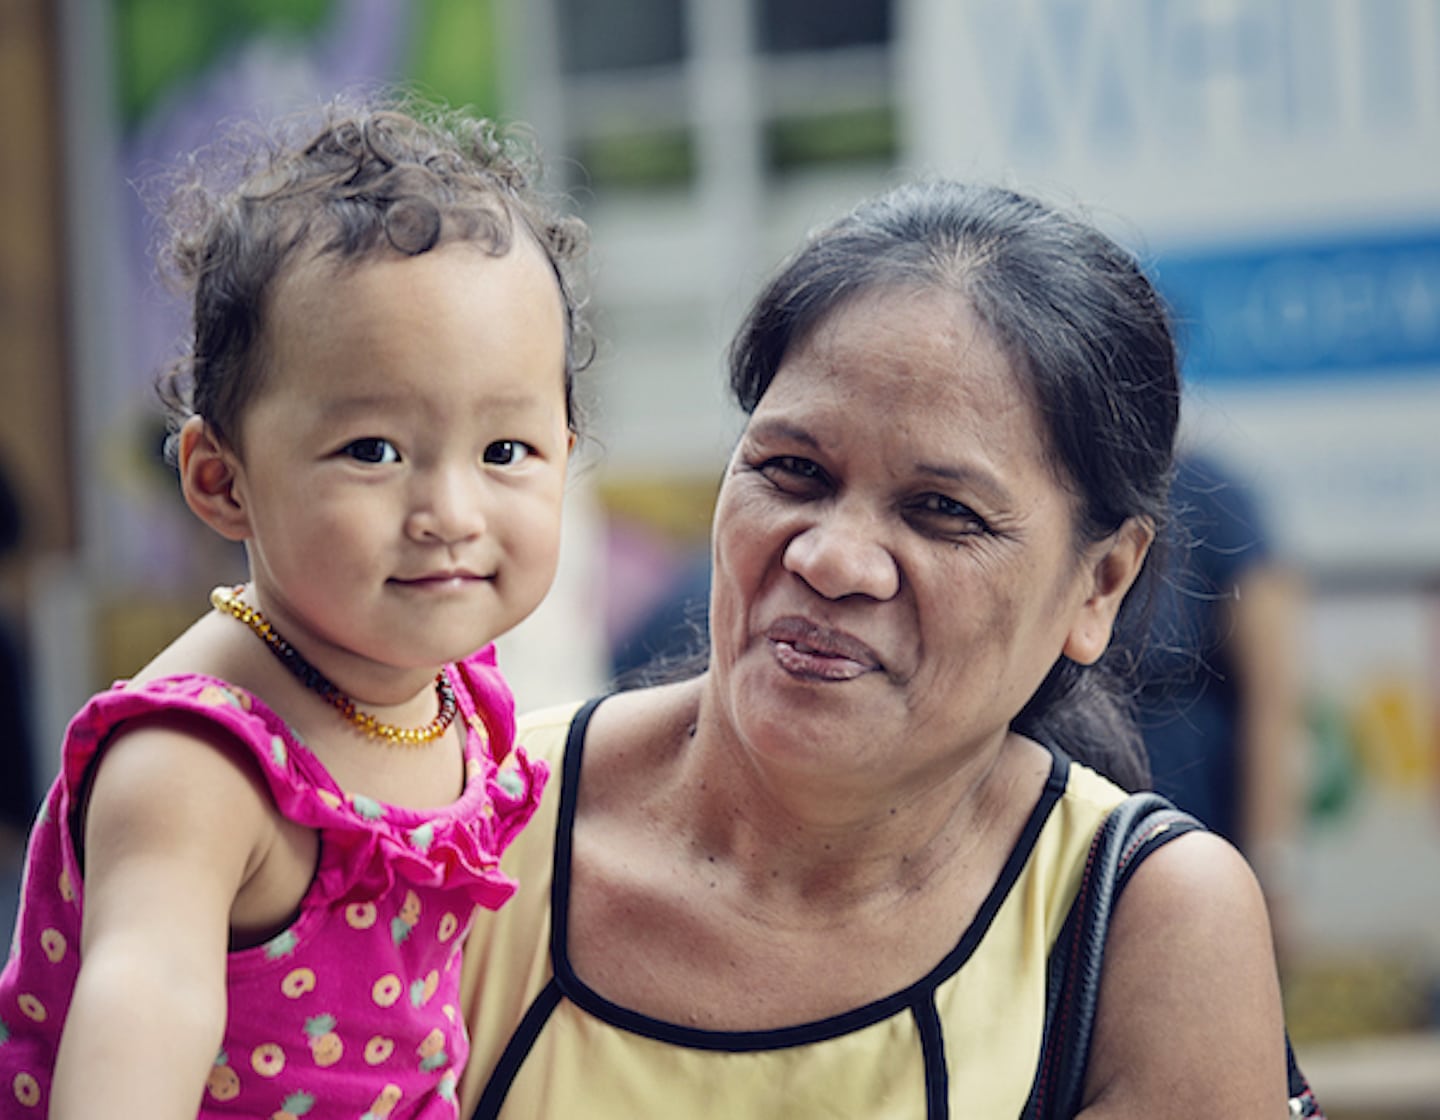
pixel 208 470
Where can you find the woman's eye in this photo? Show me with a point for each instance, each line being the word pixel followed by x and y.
pixel 372 449
pixel 791 469
pixel 507 452
pixel 941 508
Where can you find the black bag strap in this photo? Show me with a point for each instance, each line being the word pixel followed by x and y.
pixel 1135 828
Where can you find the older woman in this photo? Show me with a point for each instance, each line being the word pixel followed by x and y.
pixel 822 878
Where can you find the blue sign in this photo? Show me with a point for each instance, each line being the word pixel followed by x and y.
pixel 1316 309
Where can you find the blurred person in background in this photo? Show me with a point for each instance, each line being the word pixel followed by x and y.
pixel 1220 702
pixel 18 793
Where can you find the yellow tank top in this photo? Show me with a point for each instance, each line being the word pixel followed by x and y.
pixel 964 1041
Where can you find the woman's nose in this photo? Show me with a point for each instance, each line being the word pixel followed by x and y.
pixel 844 554
pixel 448 506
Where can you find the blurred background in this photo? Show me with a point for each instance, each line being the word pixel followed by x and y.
pixel 1276 163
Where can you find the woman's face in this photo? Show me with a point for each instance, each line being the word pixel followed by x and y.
pixel 895 564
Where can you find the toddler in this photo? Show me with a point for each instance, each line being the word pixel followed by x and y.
pixel 247 892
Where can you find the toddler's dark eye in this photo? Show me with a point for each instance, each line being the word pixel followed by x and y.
pixel 507 452
pixel 372 449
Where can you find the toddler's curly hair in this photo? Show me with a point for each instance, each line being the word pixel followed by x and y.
pixel 379 174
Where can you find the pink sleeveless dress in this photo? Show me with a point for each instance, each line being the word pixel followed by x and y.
pixel 353 1010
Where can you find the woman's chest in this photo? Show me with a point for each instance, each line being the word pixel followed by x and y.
pixel 677 945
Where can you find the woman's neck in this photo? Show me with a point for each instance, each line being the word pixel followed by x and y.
pixel 817 845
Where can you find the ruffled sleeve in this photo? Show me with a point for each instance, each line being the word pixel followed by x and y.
pixel 366 845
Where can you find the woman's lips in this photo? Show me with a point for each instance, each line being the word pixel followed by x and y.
pixel 807 649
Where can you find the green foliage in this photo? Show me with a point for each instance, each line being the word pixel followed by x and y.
pixel 650 159
pixel 160 43
pixel 856 136
pixel 451 57
pixel 454 54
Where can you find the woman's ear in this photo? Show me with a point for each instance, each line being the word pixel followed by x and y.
pixel 208 475
pixel 1115 564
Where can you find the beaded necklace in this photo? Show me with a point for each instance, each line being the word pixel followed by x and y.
pixel 227 600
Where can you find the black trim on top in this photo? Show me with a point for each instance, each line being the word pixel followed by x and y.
pixel 920 992
pixel 932 1048
pixel 516 1051
pixel 564 840
pixel 544 1004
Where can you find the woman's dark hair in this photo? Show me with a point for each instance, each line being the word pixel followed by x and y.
pixel 367 176
pixel 1078 317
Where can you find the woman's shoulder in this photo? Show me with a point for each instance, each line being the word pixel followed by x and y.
pixel 1189 994
pixel 1188 943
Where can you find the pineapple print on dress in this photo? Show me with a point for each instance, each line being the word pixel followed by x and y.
pixel 446 1089
pixel 283 944
pixel 325 1044
pixel 223 1083
pixel 384 1104
pixel 404 923
pixel 423 987
pixel 294 1106
pixel 432 1051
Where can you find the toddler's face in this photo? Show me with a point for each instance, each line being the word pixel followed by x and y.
pixel 403 463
